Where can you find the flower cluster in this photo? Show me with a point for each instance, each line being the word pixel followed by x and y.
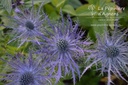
pixel 63 46
pixel 111 54
pixel 28 25
pixel 58 45
pixel 27 71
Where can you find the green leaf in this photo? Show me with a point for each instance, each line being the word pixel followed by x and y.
pixel 49 9
pixel 60 83
pixel 99 11
pixel 54 16
pixel 94 2
pixel 58 3
pixel 90 78
pixel 99 26
pixel 11 49
pixel 69 9
pixel 111 18
pixel 38 1
pixel 7 4
pixel 74 3
pixel 83 10
pixel 1 28
pixel 92 34
pixel 7 21
pixel 85 21
pixel 123 21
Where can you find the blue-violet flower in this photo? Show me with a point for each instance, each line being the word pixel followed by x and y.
pixel 63 46
pixel 27 71
pixel 28 25
pixel 111 55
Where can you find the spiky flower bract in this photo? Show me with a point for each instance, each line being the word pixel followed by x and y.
pixel 111 55
pixel 27 71
pixel 63 46
pixel 28 25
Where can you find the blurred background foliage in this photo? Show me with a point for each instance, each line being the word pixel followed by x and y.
pixel 80 11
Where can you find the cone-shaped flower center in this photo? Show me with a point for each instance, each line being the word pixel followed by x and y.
pixel 112 51
pixel 62 45
pixel 29 25
pixel 27 78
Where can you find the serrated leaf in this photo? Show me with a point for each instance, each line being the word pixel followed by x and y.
pixel 7 4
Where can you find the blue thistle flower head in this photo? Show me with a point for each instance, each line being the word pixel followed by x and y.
pixel 27 71
pixel 111 54
pixel 63 46
pixel 28 25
